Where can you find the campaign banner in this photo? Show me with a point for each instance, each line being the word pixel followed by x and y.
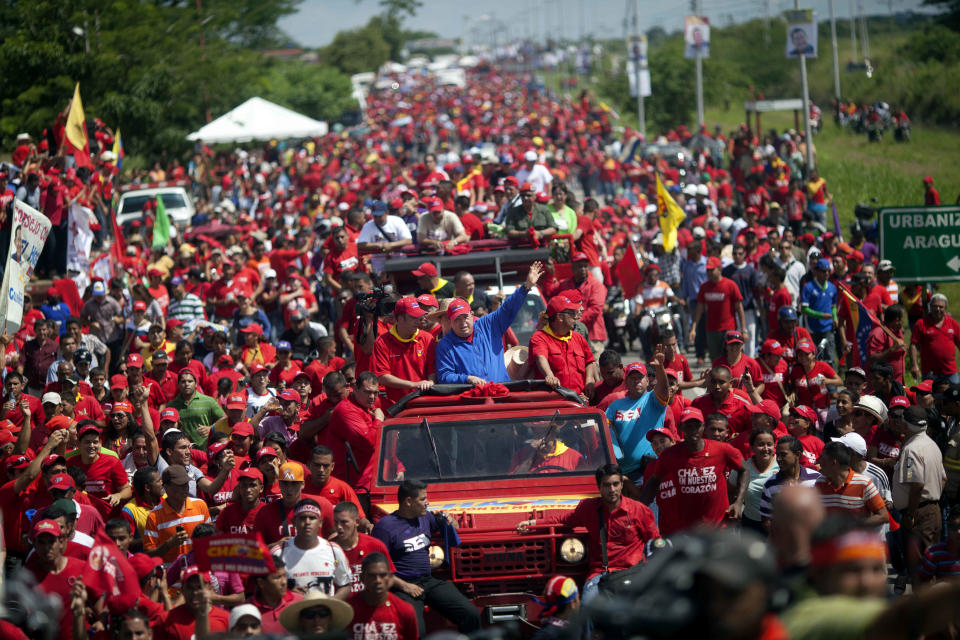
pixel 79 244
pixel 696 36
pixel 801 33
pixel 231 553
pixel 28 233
pixel 637 55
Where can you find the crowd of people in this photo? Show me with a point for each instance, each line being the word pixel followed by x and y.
pixel 236 382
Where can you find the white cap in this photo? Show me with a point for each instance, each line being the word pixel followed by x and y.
pixel 726 222
pixel 343 206
pixel 107 156
pixel 690 190
pixel 702 190
pixel 52 397
pixel 853 441
pixel 698 232
pixel 650 208
pixel 531 156
pixel 874 405
pixel 269 273
pixel 243 610
pixel 23 136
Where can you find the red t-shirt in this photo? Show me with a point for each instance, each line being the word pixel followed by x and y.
pixel 812 448
pixel 59 585
pixel 736 407
pixel 349 422
pixel 887 443
pixel 771 389
pixel 777 299
pixel 681 366
pixel 105 476
pixel 473 226
pixel 336 491
pixel 720 298
pixel 393 620
pixel 12 507
pixel 938 345
pixel 181 623
pixel 811 389
pixel 337 262
pixel 693 486
pixel 86 408
pixel 274 521
pixel 365 546
pixel 411 360
pixel 879 341
pixel 317 370
pixel 280 375
pixel 233 520
pixel 745 364
pixel 587 242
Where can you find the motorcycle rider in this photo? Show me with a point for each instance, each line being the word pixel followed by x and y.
pixel 651 301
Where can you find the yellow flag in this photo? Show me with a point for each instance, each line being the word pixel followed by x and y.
pixel 75 130
pixel 670 214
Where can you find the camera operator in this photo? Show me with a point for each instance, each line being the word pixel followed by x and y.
pixel 303 338
pixel 374 310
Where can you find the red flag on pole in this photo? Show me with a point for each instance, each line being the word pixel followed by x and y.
pixel 628 270
pixel 109 573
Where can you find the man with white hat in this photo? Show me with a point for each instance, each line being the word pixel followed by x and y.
pixel 245 621
pixel 533 172
pixel 918 480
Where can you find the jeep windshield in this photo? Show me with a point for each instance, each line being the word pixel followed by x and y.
pixel 494 449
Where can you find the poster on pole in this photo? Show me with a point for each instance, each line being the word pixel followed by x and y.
pixel 80 238
pixel 637 55
pixel 696 36
pixel 801 33
pixel 28 234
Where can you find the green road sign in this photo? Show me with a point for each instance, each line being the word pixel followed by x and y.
pixel 922 242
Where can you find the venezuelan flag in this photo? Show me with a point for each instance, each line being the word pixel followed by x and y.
pixel 118 150
pixel 862 322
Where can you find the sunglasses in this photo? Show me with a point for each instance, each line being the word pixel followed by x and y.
pixel 316 612
pixel 896 415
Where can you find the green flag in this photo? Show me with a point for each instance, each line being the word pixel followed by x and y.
pixel 161 226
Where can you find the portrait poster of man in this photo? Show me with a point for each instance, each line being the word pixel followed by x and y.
pixel 801 33
pixel 696 36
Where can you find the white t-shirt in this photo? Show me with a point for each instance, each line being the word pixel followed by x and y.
pixel 254 401
pixel 395 227
pixel 539 177
pixel 323 567
pixel 192 471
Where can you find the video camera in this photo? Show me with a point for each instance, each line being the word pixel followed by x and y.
pixel 379 302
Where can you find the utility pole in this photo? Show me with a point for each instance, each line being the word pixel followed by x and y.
pixel 638 71
pixel 853 32
pixel 808 131
pixel 698 5
pixel 836 58
pixel 864 35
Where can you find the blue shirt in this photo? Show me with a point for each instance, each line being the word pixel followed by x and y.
pixel 693 275
pixel 821 299
pixel 59 314
pixel 630 420
pixel 407 541
pixel 482 356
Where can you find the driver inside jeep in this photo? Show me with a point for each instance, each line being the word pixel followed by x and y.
pixel 545 453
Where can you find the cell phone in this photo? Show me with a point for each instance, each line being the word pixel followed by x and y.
pixel 158 572
pixel 180 528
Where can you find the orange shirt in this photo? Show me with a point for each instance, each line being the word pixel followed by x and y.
pixel 162 523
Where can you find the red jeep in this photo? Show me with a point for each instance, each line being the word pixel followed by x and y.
pixel 475 453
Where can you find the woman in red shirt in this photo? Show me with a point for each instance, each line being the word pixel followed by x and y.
pixel 810 378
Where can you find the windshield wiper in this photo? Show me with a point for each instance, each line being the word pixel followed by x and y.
pixel 433 446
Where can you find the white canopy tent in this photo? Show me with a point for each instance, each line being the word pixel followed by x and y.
pixel 259 119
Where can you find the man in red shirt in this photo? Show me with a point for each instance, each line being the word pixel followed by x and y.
pixel 404 357
pixel 239 516
pixel 593 294
pixel 272 596
pixel 629 525
pixel 377 613
pixel 884 347
pixel 106 478
pixel 320 482
pixel 689 479
pixel 196 617
pixel 721 397
pixel 356 422
pixel 720 298
pixel 275 520
pixel 562 357
pixel 55 573
pixel 739 364
pixel 357 546
pixel 342 258
pixel 934 341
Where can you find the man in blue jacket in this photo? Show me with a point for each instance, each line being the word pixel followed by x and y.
pixel 472 352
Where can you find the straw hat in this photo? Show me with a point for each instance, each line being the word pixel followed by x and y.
pixel 341 613
pixel 517 361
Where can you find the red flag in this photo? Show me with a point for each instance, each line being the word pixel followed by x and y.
pixel 628 270
pixel 118 249
pixel 109 573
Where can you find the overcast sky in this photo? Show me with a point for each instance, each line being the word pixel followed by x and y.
pixel 318 21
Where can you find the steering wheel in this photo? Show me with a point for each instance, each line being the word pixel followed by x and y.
pixel 550 467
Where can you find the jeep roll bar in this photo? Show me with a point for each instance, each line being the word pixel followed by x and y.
pixel 457 389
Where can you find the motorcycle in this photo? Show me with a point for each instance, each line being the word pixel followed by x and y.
pixel 902 132
pixel 615 320
pixel 653 322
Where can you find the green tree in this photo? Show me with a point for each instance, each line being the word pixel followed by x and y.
pixel 357 50
pixel 951 8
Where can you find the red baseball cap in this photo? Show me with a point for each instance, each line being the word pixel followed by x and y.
pixel 769 407
pixel 135 360
pixel 62 481
pixel 139 305
pixel 899 401
pixel 251 473
pixel 119 381
pixel 925 386
pixel 266 451
pixel 17 462
pixel 436 204
pixel 714 263
pixel 191 571
pixel 289 396
pixel 242 429
pixel 426 269
pixel 635 366
pixel 59 422
pixel 51 460
pixel 691 413
pixel 733 337
pixel 561 303
pixel 175 322
pixel 87 429
pixel 121 406
pixel 526 186
pixel 578 257
pixel 253 327
pixel 257 368
pixel 236 401
pixel 771 347
pixel 51 527
pixel 457 308
pixel 573 295
pixel 226 360
pixel 651 266
pixel 7 437
pixel 671 373
pixel 408 306
pixel 214 449
pixel 143 564
pixel 928 179
pixel 395 204
pixel 169 415
pixel 805 412
pixel 659 430
pixel 427 300
pixel 512 181
pixel 806 347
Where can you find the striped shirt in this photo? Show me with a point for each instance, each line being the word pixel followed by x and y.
pixel 939 562
pixel 162 523
pixel 187 309
pixel 775 484
pixel 857 496
pixel 880 480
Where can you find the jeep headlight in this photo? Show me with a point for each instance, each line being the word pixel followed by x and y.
pixel 572 550
pixel 437 556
